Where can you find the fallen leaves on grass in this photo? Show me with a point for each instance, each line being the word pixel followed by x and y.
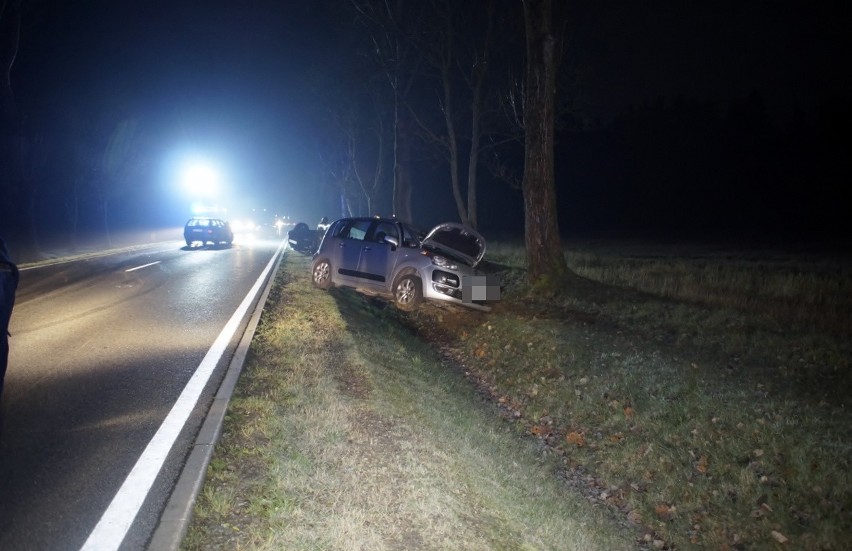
pixel 634 517
pixel 664 511
pixel 701 465
pixel 779 537
pixel 540 430
pixel 576 438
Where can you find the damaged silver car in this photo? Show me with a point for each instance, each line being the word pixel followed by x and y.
pixel 386 257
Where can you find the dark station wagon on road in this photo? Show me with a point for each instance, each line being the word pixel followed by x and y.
pixel 207 230
pixel 386 257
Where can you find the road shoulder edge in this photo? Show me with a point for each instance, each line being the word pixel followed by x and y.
pixel 177 514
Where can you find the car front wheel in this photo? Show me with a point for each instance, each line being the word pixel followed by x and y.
pixel 321 274
pixel 407 293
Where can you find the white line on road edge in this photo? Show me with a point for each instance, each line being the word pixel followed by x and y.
pixel 142 266
pixel 88 256
pixel 118 517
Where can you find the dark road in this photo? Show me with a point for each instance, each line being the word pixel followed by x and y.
pixel 101 350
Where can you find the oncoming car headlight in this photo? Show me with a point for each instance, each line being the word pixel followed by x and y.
pixel 443 262
pixel 243 226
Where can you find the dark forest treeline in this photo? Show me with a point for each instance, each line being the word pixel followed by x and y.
pixel 693 167
pixel 664 168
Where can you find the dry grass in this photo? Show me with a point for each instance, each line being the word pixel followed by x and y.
pixel 787 287
pixel 347 432
pixel 701 406
pixel 700 398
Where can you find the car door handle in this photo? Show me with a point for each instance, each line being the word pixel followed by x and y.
pixel 366 248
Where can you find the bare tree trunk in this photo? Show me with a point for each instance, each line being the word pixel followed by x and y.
pixel 545 258
pixel 402 199
pixel 473 164
pixel 352 159
pixel 452 142
pixel 445 60
pixel 379 165
pixel 394 201
pixel 480 71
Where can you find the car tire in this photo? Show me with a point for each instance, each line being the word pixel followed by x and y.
pixel 407 292
pixel 321 273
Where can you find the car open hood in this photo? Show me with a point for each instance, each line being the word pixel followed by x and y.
pixel 456 240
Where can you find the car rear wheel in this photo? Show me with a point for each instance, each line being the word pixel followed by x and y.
pixel 407 292
pixel 321 273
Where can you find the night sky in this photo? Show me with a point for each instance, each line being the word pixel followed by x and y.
pixel 792 52
pixel 246 84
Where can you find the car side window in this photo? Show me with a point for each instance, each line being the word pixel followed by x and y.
pixel 356 229
pixel 409 237
pixel 385 229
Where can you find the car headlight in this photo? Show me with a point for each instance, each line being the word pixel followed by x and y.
pixel 443 263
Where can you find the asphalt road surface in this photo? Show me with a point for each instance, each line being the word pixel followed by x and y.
pixel 101 351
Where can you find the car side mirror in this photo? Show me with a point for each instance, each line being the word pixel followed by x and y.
pixel 394 242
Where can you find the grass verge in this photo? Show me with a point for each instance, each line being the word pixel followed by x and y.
pixel 708 401
pixel 349 431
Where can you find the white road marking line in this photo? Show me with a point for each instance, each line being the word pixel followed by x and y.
pixel 88 256
pixel 119 515
pixel 142 266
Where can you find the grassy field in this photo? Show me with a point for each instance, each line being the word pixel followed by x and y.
pixel 709 386
pixel 697 397
pixel 348 432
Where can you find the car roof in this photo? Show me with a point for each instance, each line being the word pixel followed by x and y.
pixel 204 218
pixel 371 218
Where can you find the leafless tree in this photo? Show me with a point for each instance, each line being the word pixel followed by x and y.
pixel 453 58
pixel 390 26
pixel 358 167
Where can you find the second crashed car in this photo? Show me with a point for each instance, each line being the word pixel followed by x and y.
pixel 387 257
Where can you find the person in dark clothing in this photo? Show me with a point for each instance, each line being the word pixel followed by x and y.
pixel 8 285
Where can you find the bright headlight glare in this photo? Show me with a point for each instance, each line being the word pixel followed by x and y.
pixel 443 263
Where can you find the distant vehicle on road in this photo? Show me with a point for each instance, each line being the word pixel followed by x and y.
pixel 245 226
pixel 204 230
pixel 386 257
